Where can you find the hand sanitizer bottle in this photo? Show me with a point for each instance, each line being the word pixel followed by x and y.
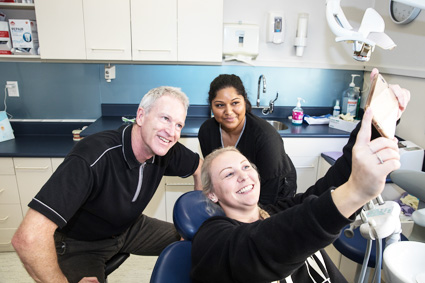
pixel 298 113
pixel 350 98
pixel 337 109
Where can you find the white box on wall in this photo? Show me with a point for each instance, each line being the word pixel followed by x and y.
pixel 241 41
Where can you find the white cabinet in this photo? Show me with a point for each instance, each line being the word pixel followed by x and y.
pixel 107 29
pixel 138 30
pixel 157 207
pixel 20 181
pixel 177 30
pixel 10 208
pixel 154 30
pixel 31 174
pixel 174 188
pixel 305 154
pixel 60 26
pixel 200 30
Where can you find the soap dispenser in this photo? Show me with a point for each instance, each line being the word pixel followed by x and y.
pixel 298 113
pixel 350 98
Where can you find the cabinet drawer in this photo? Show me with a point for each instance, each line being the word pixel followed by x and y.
pixel 172 193
pixel 6 166
pixel 56 162
pixel 31 175
pixel 10 215
pixel 6 240
pixel 177 181
pixel 8 189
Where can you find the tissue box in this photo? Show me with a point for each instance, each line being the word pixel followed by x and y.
pixel 5 45
pixel 24 35
pixel 347 126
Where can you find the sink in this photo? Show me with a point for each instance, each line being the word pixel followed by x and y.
pixel 277 125
pixel 404 262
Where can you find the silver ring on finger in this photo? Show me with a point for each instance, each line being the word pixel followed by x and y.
pixel 379 158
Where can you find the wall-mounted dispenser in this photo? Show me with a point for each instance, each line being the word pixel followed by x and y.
pixel 275 27
pixel 109 73
pixel 241 42
pixel 301 37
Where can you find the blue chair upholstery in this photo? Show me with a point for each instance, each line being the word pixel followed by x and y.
pixel 174 263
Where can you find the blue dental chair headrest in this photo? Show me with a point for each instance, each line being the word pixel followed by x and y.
pixel 191 210
pixel 174 263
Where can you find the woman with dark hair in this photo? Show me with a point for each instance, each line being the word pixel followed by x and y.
pixel 233 124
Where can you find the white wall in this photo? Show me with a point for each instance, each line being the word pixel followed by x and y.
pixel 405 65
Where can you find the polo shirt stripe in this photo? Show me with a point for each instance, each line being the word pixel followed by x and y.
pixel 122 138
pixel 104 154
pixel 51 209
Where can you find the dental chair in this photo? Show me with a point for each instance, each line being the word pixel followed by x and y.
pixel 190 211
pixel 404 262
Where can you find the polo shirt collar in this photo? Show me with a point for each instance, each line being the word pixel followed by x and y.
pixel 127 149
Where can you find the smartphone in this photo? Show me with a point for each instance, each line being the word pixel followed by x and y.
pixel 384 105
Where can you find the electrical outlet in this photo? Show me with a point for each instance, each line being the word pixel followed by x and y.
pixel 12 89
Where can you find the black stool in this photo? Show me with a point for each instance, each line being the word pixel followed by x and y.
pixel 115 262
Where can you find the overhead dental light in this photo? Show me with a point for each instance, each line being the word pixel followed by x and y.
pixel 364 40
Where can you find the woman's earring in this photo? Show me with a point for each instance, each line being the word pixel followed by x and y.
pixel 212 198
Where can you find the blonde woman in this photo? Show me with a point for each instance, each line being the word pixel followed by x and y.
pixel 283 242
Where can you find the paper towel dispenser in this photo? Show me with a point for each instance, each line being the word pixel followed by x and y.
pixel 241 42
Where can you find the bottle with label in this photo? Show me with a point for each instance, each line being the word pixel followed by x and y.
pixel 337 109
pixel 350 98
pixel 298 113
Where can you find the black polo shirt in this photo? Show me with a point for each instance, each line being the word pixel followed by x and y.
pixel 95 193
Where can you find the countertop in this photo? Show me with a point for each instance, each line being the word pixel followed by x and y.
pixel 192 125
pixel 55 139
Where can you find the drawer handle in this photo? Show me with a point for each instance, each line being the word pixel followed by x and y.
pixel 304 167
pixel 148 50
pixel 31 168
pixel 108 49
pixel 5 244
pixel 4 219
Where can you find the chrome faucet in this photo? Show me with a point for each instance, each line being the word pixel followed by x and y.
pixel 264 88
pixel 269 110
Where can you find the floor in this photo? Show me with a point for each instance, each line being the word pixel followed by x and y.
pixel 134 269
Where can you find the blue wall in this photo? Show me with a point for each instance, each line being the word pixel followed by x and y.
pixel 75 91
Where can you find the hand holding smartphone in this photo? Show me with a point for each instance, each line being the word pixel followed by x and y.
pixel 384 105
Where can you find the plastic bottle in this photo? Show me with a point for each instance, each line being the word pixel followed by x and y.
pixel 350 98
pixel 298 113
pixel 337 109
pixel 359 100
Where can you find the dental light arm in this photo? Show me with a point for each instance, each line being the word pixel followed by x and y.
pixel 370 33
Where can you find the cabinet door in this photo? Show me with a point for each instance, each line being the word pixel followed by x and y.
pixel 174 188
pixel 60 27
pixel 56 162
pixel 200 30
pixel 154 30
pixel 306 167
pixel 156 207
pixel 107 29
pixel 5 239
pixel 31 174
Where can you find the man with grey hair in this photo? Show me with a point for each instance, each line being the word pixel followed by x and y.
pixel 92 206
